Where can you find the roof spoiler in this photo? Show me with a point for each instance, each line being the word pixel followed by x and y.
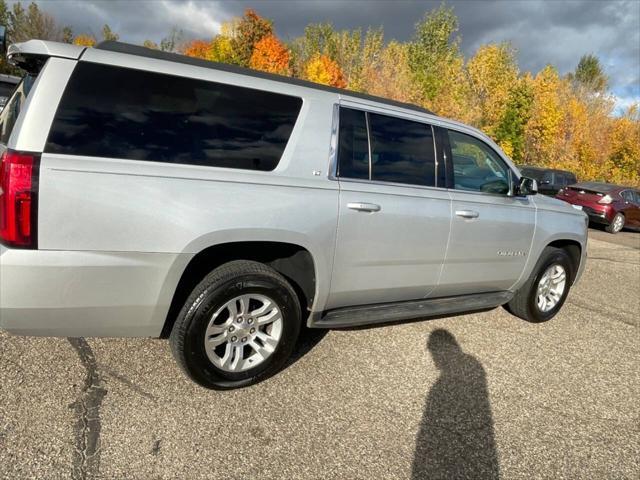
pixel 33 54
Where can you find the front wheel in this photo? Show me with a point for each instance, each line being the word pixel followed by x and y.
pixel 542 296
pixel 616 224
pixel 238 326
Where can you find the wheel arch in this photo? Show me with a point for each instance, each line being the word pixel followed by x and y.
pixel 574 250
pixel 291 260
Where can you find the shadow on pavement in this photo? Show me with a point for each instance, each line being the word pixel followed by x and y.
pixel 308 339
pixel 456 438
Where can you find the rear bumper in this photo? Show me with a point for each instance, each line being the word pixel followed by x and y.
pixel 602 215
pixel 78 294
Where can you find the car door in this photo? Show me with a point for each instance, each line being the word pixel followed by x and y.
pixel 631 208
pixel 491 230
pixel 393 223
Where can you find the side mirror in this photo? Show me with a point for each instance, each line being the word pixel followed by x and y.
pixel 526 186
pixel 3 40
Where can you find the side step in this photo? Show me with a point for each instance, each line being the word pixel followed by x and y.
pixel 391 312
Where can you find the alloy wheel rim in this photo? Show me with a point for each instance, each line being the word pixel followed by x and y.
pixel 617 223
pixel 243 332
pixel 551 287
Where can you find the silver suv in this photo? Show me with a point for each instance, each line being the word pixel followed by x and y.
pixel 150 194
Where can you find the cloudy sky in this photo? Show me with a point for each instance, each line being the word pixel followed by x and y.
pixel 543 31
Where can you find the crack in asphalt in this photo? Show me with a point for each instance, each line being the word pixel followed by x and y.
pixel 605 313
pixel 86 456
pixel 612 260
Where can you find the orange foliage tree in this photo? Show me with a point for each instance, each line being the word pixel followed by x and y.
pixel 270 55
pixel 197 49
pixel 321 69
pixel 84 40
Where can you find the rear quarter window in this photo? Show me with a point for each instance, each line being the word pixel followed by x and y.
pixel 138 115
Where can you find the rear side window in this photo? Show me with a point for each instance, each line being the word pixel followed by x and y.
pixel 132 114
pixel 13 107
pixel 353 150
pixel 564 179
pixel 402 151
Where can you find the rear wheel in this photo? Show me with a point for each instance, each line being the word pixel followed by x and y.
pixel 238 326
pixel 616 224
pixel 542 296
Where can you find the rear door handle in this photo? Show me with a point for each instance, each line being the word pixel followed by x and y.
pixel 364 207
pixel 467 214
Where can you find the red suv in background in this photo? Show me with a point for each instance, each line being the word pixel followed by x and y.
pixel 612 205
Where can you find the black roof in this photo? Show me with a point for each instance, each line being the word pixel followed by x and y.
pixel 600 186
pixel 543 169
pixel 127 48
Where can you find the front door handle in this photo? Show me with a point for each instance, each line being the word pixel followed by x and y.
pixel 364 207
pixel 467 214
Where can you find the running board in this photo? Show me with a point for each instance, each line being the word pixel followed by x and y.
pixel 413 309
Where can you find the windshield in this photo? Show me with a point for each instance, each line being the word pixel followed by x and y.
pixel 12 109
pixel 537 175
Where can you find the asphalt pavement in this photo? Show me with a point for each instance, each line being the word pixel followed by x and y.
pixel 474 396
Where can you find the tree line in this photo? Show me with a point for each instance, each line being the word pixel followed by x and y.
pixel 544 118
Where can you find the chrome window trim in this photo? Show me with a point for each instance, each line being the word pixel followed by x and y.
pixel 435 156
pixel 332 173
pixel 392 184
pixel 366 121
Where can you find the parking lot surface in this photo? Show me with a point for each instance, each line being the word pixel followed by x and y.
pixel 474 396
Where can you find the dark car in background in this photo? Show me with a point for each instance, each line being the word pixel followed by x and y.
pixel 8 84
pixel 614 206
pixel 550 180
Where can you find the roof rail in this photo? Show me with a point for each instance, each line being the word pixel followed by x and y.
pixel 120 47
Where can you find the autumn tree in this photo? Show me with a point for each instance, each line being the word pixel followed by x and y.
pixel 432 48
pixel 589 74
pixel 625 147
pixel 197 49
pixel 150 44
pixel 493 72
pixel 31 23
pixel 171 43
pixel 222 50
pixel 510 131
pixel 250 29
pixel 85 40
pixel 270 55
pixel 67 35
pixel 321 69
pixel 544 128
pixel 108 34
pixel 390 75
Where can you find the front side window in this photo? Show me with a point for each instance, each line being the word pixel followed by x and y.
pixel 138 115
pixel 402 151
pixel 627 195
pixel 476 166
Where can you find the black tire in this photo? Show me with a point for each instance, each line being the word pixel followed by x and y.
pixel 614 227
pixel 221 285
pixel 524 303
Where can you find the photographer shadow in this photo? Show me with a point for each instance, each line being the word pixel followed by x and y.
pixel 456 438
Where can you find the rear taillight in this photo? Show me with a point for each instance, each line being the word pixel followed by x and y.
pixel 19 199
pixel 606 200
